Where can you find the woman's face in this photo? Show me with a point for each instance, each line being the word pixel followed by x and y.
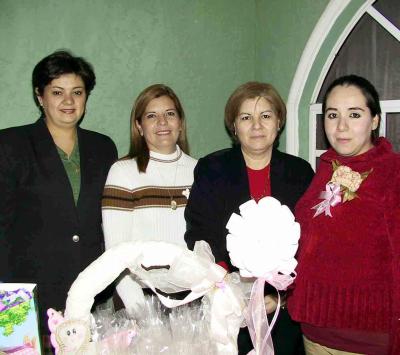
pixel 348 121
pixel 63 101
pixel 160 125
pixel 256 126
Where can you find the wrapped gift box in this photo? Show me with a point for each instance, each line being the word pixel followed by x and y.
pixel 19 332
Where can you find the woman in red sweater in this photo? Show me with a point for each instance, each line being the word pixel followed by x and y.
pixel 348 276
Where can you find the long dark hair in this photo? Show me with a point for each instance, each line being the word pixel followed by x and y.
pixel 367 89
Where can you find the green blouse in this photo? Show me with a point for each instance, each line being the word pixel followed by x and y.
pixel 72 168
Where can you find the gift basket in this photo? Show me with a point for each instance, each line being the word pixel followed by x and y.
pixel 262 243
pixel 193 271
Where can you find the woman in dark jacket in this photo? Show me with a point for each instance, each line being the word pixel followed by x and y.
pixel 52 175
pixel 255 115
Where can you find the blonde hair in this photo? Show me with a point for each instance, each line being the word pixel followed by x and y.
pixel 138 146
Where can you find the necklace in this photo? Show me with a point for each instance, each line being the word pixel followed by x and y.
pixel 173 203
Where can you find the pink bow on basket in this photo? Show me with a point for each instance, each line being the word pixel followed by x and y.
pixel 256 318
pixel 331 197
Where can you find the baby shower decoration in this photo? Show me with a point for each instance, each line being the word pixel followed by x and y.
pixel 262 243
pixel 164 268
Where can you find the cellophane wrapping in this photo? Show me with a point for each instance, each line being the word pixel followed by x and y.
pixel 156 329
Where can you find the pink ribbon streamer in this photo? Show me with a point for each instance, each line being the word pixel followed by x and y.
pixel 256 318
pixel 221 285
pixel 331 197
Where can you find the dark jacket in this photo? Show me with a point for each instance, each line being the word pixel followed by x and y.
pixel 38 216
pixel 221 185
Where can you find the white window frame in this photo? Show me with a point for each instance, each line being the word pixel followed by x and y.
pixel 326 22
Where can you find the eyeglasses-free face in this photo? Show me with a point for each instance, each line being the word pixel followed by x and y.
pixel 63 101
pixel 160 125
pixel 256 126
pixel 348 121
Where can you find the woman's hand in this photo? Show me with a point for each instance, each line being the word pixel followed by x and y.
pixel 271 302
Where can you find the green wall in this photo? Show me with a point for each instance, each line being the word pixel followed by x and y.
pixel 283 31
pixel 203 49
pixel 284 27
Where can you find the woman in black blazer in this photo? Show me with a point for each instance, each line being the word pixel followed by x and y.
pixel 254 116
pixel 52 175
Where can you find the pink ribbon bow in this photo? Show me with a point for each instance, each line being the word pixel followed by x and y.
pixel 331 197
pixel 256 318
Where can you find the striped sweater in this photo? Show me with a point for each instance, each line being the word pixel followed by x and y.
pixel 137 206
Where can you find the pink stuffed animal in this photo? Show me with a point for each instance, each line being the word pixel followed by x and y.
pixel 55 319
pixel 67 336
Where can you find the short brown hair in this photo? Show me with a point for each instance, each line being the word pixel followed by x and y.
pixel 251 90
pixel 138 146
pixel 60 63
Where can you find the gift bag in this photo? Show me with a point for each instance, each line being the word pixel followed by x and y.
pixel 19 332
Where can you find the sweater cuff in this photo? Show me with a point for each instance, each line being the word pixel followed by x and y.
pixel 224 265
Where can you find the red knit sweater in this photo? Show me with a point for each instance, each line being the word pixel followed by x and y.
pixel 348 274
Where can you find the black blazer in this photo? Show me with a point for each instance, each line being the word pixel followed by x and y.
pixel 38 216
pixel 221 185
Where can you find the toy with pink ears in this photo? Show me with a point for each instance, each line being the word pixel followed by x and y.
pixel 69 336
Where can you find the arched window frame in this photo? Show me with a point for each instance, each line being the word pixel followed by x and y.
pixel 329 34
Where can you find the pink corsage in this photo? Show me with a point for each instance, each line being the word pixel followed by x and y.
pixel 341 187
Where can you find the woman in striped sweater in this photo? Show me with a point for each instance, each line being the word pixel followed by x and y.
pixel 146 191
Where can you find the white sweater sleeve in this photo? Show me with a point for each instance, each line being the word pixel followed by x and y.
pixel 117 223
pixel 131 294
